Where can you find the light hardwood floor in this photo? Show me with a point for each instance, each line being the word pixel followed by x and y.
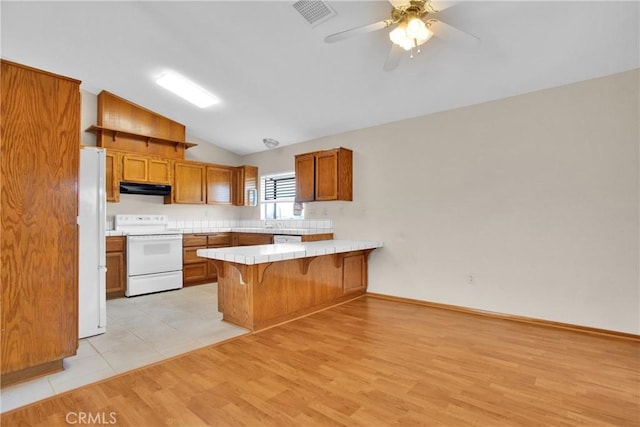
pixel 372 362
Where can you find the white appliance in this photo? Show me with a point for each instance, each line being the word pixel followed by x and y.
pixel 286 238
pixel 92 206
pixel 154 254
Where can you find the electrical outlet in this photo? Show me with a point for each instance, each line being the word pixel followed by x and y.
pixel 471 279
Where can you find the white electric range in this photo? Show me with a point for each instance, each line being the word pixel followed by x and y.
pixel 154 253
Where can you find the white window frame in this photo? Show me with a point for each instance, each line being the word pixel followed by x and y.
pixel 281 207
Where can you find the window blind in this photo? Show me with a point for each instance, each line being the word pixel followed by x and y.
pixel 280 188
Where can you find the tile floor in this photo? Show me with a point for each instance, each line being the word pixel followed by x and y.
pixel 140 331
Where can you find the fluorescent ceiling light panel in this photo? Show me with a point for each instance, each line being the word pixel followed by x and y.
pixel 186 89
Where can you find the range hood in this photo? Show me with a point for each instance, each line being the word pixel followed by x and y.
pixel 146 189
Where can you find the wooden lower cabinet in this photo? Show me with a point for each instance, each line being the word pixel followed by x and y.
pixel 197 270
pixel 116 266
pixel 251 239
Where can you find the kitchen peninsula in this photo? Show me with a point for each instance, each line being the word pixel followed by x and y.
pixel 261 286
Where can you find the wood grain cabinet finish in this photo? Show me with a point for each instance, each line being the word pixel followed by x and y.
pixel 324 175
pixel 40 155
pixel 251 239
pixel 145 169
pixel 305 177
pixel 262 295
pixel 112 181
pixel 123 125
pixel 116 266
pixel 197 270
pixel 246 186
pixel 189 185
pixel 220 185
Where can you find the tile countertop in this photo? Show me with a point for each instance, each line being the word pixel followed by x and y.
pixel 287 231
pixel 260 254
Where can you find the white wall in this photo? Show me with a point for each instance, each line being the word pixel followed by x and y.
pixel 536 196
pixel 136 204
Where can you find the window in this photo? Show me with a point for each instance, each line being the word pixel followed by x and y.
pixel 277 200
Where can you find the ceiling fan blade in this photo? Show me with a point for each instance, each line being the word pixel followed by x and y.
pixel 439 5
pixel 399 3
pixel 393 59
pixel 452 34
pixel 357 31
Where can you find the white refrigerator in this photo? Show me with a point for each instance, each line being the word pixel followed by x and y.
pixel 92 215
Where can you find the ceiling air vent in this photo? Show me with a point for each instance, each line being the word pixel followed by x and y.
pixel 315 12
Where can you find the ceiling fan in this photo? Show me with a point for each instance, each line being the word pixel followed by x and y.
pixel 415 22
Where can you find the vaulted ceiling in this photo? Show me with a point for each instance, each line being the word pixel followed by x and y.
pixel 277 78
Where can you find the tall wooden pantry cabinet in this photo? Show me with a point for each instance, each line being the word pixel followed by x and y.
pixel 39 149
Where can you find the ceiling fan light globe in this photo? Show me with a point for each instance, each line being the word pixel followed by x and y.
pixel 423 40
pixel 399 37
pixel 417 29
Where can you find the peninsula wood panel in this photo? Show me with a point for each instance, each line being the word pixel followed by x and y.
pixel 40 152
pixel 275 292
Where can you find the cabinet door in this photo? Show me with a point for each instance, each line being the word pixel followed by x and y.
pixel 194 273
pixel 189 183
pixel 219 185
pixel 135 168
pixel 40 148
pixel 327 175
pixel 112 181
pixel 250 239
pixel 159 171
pixel 305 177
pixel 189 255
pixel 246 186
pixel 116 277
pixel 116 274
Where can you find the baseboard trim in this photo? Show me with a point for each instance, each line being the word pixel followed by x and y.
pixel 522 319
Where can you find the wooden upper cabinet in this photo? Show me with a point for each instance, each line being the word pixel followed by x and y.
pixel 123 125
pixel 135 168
pixel 189 185
pixel 159 171
pixel 246 186
pixel 112 182
pixel 145 169
pixel 305 177
pixel 40 146
pixel 324 175
pixel 219 185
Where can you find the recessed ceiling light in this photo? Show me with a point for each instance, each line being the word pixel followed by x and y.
pixel 186 89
